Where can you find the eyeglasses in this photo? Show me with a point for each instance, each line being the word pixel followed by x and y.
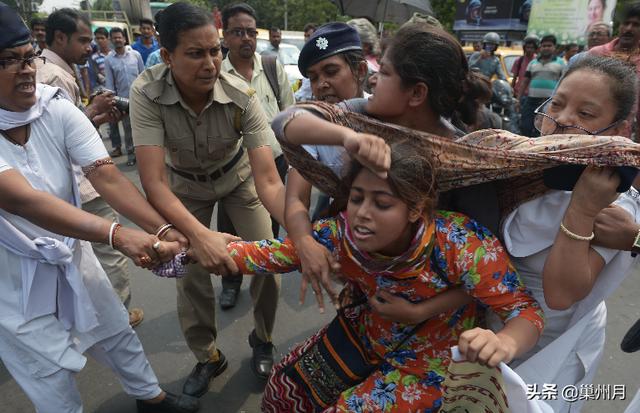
pixel 542 119
pixel 598 33
pixel 16 65
pixel 252 33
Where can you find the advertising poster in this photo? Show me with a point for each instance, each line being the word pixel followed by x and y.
pixel 492 15
pixel 568 20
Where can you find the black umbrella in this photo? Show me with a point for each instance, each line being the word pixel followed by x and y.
pixel 397 11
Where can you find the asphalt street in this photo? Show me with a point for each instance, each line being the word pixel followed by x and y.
pixel 237 389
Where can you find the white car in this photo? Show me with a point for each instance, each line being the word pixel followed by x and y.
pixel 289 55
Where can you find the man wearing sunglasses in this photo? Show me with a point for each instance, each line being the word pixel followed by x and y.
pixel 267 77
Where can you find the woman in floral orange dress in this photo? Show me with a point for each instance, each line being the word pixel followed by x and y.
pixel 389 241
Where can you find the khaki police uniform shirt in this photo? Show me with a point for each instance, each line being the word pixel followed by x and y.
pixel 196 143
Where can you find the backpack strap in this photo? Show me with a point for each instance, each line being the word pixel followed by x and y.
pixel 271 71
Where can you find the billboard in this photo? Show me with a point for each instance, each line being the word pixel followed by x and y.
pixel 492 15
pixel 568 20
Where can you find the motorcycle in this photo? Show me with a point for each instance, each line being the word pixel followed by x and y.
pixel 503 103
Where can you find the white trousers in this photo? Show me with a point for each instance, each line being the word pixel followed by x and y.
pixel 58 393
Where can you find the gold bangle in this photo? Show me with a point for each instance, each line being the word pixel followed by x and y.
pixel 574 235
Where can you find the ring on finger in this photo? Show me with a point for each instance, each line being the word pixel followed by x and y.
pixel 156 245
pixel 144 260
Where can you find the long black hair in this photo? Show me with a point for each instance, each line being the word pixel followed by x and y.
pixel 427 53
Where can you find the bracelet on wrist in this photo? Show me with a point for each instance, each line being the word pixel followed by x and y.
pixel 113 241
pixel 110 238
pixel 163 229
pixel 575 236
pixel 635 247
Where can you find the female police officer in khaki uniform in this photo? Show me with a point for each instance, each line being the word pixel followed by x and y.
pixel 215 137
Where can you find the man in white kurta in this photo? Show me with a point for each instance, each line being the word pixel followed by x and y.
pixel 49 314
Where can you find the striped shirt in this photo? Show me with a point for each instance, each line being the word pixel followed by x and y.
pixel 544 76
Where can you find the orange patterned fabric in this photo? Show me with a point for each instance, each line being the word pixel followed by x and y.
pixel 466 255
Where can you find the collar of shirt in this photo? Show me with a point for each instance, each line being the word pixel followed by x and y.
pixel 227 66
pixel 53 57
pixel 165 92
pixel 154 42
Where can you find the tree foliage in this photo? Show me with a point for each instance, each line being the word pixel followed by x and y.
pixel 102 5
pixel 445 11
pixel 300 12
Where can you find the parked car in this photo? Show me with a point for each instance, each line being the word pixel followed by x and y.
pixel 289 55
pixel 294 38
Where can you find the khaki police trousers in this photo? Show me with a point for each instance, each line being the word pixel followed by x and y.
pixel 236 193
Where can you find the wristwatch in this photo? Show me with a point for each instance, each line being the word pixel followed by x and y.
pixel 635 248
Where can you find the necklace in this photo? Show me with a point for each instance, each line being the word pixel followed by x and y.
pixel 13 141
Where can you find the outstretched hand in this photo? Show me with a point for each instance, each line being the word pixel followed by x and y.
pixel 317 264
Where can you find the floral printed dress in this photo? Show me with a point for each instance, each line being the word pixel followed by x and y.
pixel 451 251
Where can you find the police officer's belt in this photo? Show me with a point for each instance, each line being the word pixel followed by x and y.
pixel 215 174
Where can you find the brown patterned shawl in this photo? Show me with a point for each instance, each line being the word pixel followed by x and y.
pixel 516 162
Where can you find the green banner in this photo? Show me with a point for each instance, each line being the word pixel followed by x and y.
pixel 568 20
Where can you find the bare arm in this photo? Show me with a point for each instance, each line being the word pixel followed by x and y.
pixel 572 267
pixel 209 247
pixel 125 198
pixel 18 197
pixel 316 261
pixel 370 150
pixel 268 183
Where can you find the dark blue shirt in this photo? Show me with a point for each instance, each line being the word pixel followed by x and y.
pixel 143 49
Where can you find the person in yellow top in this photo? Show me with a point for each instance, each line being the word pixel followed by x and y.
pixel 201 137
pixel 268 78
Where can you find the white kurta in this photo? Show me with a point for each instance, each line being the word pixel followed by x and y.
pixel 62 135
pixel 572 343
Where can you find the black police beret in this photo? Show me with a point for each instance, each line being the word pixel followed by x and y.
pixel 330 39
pixel 13 31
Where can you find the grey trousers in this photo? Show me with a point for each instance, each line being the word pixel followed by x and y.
pixel 114 263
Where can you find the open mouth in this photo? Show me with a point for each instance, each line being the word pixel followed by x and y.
pixel 330 98
pixel 362 233
pixel 27 87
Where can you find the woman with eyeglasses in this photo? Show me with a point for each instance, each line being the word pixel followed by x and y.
pixel 569 247
pixel 56 301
